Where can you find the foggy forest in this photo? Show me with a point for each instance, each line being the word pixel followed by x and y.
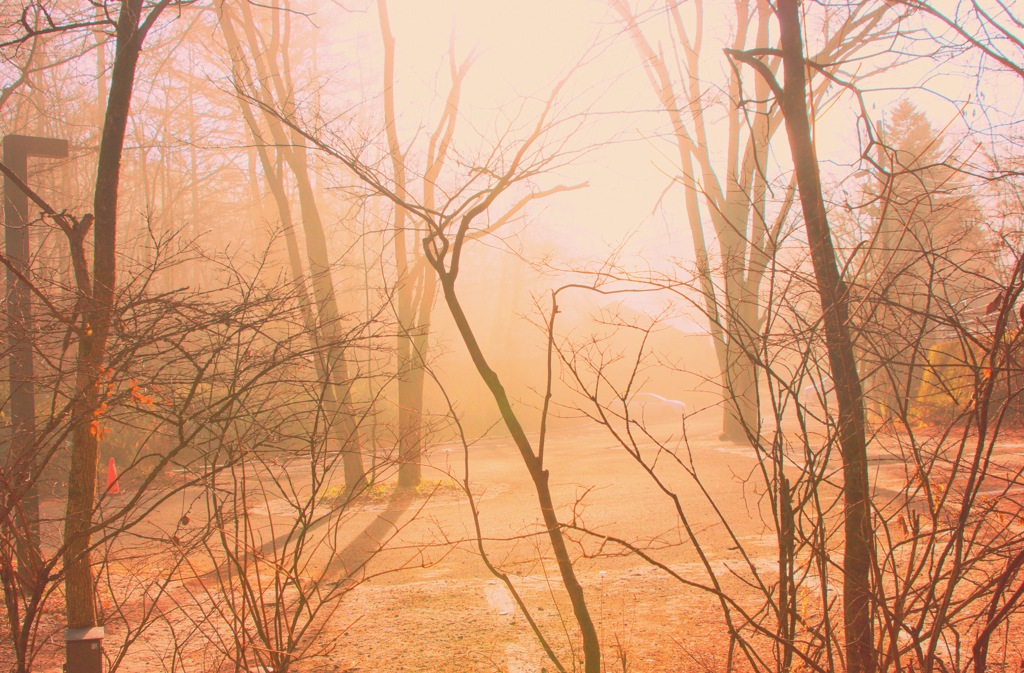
pixel 602 336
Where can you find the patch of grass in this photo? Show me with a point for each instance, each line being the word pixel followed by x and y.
pixel 388 490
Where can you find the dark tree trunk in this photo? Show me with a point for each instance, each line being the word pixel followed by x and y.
pixel 97 296
pixel 859 544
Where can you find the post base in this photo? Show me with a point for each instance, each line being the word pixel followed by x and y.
pixel 84 650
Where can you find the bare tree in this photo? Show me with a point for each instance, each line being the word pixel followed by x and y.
pixel 263 75
pixel 416 289
pixel 96 285
pixel 444 246
pixel 746 228
pixel 461 218
pixel 858 553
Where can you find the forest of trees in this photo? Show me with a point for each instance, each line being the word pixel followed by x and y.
pixel 306 297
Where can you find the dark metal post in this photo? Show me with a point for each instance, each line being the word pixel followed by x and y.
pixel 16 151
pixel 85 649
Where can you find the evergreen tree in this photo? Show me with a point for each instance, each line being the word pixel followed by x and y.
pixel 925 250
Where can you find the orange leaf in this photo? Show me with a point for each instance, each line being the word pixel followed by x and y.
pixel 98 431
pixel 137 395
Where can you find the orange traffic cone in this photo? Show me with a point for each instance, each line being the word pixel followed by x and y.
pixel 112 486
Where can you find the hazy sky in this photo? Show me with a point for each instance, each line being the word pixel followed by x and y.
pixel 521 49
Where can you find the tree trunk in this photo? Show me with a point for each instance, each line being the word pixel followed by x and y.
pixel 413 317
pixel 343 422
pixel 275 181
pixel 859 544
pixel 539 476
pixel 327 331
pixel 734 205
pixel 411 380
pixel 740 416
pixel 741 413
pixel 413 346
pixel 98 305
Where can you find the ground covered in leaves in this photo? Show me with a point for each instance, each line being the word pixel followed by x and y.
pixel 427 601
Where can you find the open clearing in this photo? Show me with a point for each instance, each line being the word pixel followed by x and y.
pixel 427 602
